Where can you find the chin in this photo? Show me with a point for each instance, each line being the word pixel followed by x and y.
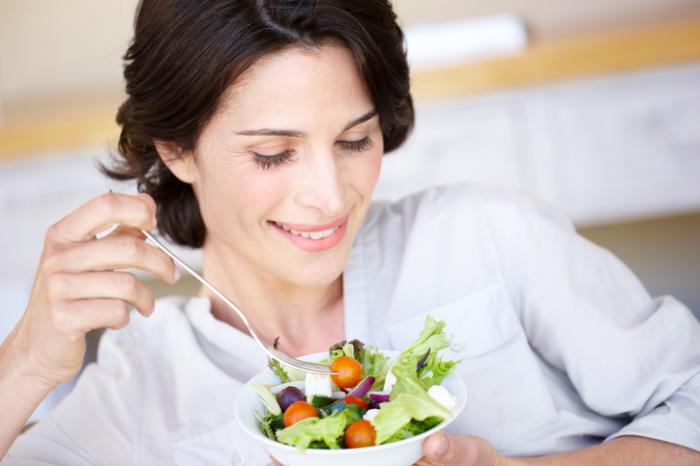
pixel 318 276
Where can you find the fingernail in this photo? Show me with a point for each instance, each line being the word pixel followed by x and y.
pixel 176 275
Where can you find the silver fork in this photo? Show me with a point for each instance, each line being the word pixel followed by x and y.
pixel 304 366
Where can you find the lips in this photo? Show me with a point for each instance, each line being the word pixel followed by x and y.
pixel 315 235
pixel 313 238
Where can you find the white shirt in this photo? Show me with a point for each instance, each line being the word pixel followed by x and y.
pixel 561 345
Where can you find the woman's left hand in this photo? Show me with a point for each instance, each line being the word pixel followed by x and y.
pixel 441 449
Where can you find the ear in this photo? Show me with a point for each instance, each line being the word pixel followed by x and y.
pixel 181 163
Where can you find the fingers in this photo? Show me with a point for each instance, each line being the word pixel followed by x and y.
pixel 126 230
pixel 102 212
pixel 76 318
pixel 123 286
pixel 109 253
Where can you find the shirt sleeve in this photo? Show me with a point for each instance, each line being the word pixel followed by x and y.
pixel 96 423
pixel 627 354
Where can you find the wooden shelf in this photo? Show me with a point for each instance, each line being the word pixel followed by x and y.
pixel 541 63
pixel 58 133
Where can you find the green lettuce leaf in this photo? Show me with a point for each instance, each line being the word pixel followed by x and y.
pixel 438 370
pixel 409 379
pixel 271 423
pixel 349 350
pixel 413 428
pixel 432 338
pixel 329 430
pixel 279 371
pixel 303 433
pixel 342 349
pixel 374 363
pixel 267 397
pixel 396 414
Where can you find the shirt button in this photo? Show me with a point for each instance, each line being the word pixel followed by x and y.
pixel 237 459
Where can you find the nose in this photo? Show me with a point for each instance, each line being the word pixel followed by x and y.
pixel 323 188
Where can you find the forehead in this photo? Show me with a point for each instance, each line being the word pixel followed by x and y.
pixel 299 82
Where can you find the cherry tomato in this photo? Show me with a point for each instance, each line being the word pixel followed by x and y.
pixel 297 411
pixel 349 371
pixel 360 434
pixel 355 400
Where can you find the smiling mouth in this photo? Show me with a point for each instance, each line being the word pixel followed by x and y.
pixel 314 235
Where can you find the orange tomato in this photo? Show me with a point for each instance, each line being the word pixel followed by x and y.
pixel 348 371
pixel 355 400
pixel 297 411
pixel 360 434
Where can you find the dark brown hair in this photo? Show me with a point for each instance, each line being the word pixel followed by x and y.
pixel 186 53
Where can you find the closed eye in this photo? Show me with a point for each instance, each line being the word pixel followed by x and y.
pixel 358 145
pixel 267 161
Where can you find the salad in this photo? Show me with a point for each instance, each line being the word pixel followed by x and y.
pixel 371 399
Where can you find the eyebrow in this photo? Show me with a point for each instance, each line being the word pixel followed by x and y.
pixel 298 134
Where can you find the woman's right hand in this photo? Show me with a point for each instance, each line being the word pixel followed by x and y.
pixel 77 289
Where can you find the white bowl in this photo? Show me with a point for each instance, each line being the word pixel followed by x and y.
pixel 402 453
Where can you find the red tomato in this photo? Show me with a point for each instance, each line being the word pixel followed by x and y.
pixel 355 400
pixel 297 411
pixel 349 371
pixel 360 434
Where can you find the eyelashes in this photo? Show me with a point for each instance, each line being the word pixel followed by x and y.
pixel 268 161
pixel 357 146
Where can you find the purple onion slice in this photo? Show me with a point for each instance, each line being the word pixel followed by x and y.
pixel 379 397
pixel 363 387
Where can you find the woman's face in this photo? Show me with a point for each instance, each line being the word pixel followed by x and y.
pixel 285 169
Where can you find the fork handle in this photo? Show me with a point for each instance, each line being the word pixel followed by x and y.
pixel 204 282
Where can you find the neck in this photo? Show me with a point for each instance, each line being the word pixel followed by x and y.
pixel 302 319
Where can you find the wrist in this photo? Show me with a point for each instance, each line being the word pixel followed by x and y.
pixel 19 369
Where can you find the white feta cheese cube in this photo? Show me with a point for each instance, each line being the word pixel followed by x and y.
pixel 442 396
pixel 318 384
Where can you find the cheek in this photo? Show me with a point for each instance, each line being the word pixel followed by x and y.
pixel 233 198
pixel 367 172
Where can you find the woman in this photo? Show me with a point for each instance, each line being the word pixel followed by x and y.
pixel 256 131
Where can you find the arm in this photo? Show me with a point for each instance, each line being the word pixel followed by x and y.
pixel 17 376
pixel 637 451
pixel 627 355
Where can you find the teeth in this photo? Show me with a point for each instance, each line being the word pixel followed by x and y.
pixel 322 234
pixel 315 235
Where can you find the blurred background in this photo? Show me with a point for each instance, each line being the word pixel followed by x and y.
pixel 592 106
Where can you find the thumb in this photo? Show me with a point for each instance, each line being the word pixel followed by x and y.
pixel 441 448
pixel 436 447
